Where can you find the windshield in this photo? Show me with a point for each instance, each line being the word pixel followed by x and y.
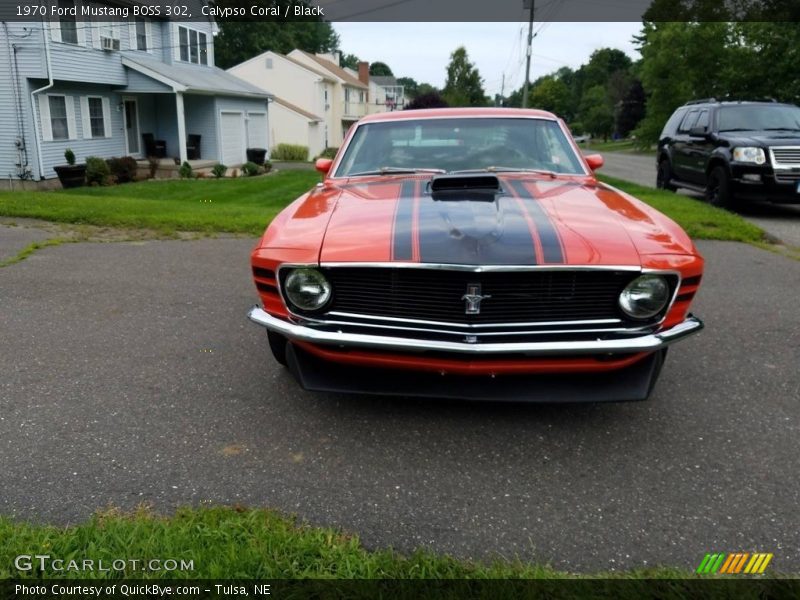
pixel 759 117
pixel 458 145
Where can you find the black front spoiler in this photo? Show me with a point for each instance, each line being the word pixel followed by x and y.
pixel 622 385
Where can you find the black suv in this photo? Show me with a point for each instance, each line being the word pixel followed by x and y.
pixel 732 151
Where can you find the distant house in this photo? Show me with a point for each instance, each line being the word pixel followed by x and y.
pixel 301 111
pixel 133 87
pixel 385 95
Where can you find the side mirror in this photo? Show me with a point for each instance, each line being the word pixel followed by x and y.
pixel 698 132
pixel 595 161
pixel 323 165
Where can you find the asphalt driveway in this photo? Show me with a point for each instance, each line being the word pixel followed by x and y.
pixel 128 374
pixel 781 221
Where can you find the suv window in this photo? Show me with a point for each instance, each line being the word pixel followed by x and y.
pixel 759 116
pixel 688 122
pixel 702 120
pixel 672 124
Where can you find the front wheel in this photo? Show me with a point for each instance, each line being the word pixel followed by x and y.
pixel 718 190
pixel 664 176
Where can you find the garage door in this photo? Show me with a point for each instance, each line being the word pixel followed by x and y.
pixel 232 126
pixel 256 130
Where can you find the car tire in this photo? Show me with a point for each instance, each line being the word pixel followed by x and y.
pixel 277 343
pixel 664 176
pixel 718 189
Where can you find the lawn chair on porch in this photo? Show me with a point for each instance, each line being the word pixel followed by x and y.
pixel 154 147
pixel 193 146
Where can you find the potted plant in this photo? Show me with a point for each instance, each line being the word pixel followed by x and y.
pixel 70 175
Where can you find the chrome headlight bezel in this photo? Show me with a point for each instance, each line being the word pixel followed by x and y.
pixel 297 287
pixel 749 154
pixel 645 297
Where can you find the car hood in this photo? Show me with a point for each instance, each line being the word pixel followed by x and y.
pixel 532 221
pixel 767 138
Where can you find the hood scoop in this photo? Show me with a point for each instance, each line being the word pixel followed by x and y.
pixel 465 186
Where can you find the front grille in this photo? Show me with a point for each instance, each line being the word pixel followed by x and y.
pixel 509 297
pixel 785 156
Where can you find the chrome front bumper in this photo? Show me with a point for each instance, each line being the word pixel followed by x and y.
pixel 643 343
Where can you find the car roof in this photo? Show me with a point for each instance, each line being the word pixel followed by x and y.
pixel 734 103
pixel 428 113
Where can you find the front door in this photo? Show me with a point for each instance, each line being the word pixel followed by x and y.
pixel 132 136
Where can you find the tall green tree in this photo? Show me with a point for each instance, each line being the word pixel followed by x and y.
pixel 464 85
pixel 380 69
pixel 350 61
pixel 596 112
pixel 240 41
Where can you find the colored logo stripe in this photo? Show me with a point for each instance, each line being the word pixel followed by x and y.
pixel 548 236
pixel 734 563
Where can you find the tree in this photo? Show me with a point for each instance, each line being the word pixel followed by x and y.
pixel 428 100
pixel 630 110
pixel 240 41
pixel 409 86
pixel 380 69
pixel 350 61
pixel 464 85
pixel 550 93
pixel 596 114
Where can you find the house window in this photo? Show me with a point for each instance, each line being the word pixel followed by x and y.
pixel 193 46
pixel 69 33
pixel 58 117
pixel 141 35
pixel 96 117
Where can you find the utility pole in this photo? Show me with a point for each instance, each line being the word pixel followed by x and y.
pixel 528 60
pixel 502 91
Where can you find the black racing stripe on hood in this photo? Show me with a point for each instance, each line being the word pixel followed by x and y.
pixel 552 251
pixel 474 232
pixel 403 228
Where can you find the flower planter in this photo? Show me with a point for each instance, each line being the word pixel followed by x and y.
pixel 71 176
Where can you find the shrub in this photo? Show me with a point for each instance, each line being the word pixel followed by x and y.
pixel 267 166
pixel 124 169
pixel 97 171
pixel 250 169
pixel 219 170
pixel 186 171
pixel 328 153
pixel 69 156
pixel 289 152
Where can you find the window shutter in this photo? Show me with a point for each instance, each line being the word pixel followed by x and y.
pixel 44 118
pixel 132 35
pixel 107 117
pixel 176 43
pixel 148 30
pixel 71 129
pixel 86 118
pixel 55 31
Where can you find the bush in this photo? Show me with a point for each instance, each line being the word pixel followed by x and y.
pixel 219 170
pixel 124 169
pixel 186 171
pixel 267 166
pixel 328 153
pixel 69 156
pixel 289 152
pixel 250 169
pixel 97 171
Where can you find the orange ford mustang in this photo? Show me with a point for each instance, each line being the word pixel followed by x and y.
pixel 472 253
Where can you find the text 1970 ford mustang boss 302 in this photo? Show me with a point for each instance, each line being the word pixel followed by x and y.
pixel 472 253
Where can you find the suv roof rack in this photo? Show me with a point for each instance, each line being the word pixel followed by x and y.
pixel 728 99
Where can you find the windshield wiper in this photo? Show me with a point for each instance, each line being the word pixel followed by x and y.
pixel 396 171
pixel 781 129
pixel 494 169
pixel 738 129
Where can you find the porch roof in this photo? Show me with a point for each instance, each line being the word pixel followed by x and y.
pixel 194 79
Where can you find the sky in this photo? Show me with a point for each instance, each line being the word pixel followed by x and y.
pixel 422 50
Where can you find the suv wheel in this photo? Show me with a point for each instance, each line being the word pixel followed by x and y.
pixel 664 175
pixel 718 189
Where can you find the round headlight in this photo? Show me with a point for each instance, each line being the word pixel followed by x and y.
pixel 644 297
pixel 307 289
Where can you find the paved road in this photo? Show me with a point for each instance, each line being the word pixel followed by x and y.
pixel 129 373
pixel 779 220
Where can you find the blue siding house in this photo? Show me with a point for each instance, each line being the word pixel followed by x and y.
pixel 132 87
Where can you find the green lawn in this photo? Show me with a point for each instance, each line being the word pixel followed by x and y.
pixel 246 205
pixel 242 205
pixel 597 145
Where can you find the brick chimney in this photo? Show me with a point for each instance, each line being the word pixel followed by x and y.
pixel 363 72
